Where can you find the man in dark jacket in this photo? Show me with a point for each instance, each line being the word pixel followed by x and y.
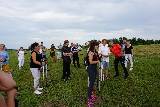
pixel 66 54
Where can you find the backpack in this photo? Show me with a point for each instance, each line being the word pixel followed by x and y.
pixel 86 60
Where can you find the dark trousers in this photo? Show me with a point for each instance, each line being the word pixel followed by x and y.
pixel 122 61
pixel 92 73
pixel 66 69
pixel 76 59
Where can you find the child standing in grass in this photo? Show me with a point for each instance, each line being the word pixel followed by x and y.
pixel 21 57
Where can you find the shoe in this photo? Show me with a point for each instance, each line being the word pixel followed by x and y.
pixel 37 92
pixel 90 103
pixel 94 98
pixel 39 89
pixel 125 76
pixel 130 69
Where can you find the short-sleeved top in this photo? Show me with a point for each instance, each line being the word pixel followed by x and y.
pixel 5 56
pixel 66 49
pixel 74 50
pixel 116 50
pixel 21 54
pixel 38 58
pixel 105 51
pixel 128 50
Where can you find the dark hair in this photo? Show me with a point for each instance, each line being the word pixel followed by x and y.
pixel 34 45
pixel 92 45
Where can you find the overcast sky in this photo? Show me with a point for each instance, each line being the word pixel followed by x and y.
pixel 52 21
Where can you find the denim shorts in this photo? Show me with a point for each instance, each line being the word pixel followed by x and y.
pixel 104 65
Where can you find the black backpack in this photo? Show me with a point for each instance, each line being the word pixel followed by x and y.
pixel 86 60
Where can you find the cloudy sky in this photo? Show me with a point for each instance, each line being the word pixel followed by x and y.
pixel 52 21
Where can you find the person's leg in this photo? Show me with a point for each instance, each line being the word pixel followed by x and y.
pixel 36 76
pixel 64 70
pixel 91 81
pixel 74 61
pixel 131 61
pixel 68 70
pixel 107 70
pixel 126 60
pixel 2 102
pixel 11 98
pixel 22 62
pixel 122 61
pixel 78 64
pixel 116 61
pixel 19 63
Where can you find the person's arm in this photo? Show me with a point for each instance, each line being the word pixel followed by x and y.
pixel 7 56
pixel 34 59
pixel 67 54
pixel 91 58
pixel 132 50
pixel 6 82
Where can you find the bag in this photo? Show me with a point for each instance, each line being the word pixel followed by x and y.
pixel 86 60
pixel 6 68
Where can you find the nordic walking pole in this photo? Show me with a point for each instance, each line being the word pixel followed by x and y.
pixel 46 71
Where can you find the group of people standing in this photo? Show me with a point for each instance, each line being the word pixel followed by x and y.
pixel 99 53
pixel 38 54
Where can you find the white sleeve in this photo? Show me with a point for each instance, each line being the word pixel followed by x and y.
pixel 99 50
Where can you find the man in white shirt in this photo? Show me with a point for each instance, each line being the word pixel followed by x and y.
pixel 104 51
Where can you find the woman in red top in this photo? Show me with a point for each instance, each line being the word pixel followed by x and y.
pixel 116 49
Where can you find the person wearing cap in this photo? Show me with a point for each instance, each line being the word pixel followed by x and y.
pixel 117 51
pixel 66 54
pixel 104 51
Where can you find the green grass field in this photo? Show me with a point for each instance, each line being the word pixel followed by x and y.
pixel 141 89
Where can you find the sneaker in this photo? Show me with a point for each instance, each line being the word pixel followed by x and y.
pixel 37 92
pixel 130 69
pixel 90 103
pixel 39 89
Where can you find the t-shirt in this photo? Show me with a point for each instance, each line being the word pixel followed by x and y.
pixel 5 56
pixel 104 50
pixel 74 50
pixel 116 50
pixel 66 49
pixel 128 50
pixel 21 54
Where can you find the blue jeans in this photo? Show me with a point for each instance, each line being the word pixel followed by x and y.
pixel 92 73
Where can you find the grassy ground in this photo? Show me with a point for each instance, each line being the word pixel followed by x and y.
pixel 141 89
